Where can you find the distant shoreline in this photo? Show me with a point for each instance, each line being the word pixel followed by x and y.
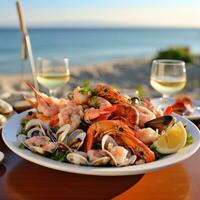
pixel 127 74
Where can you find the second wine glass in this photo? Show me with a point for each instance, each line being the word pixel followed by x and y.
pixel 168 77
pixel 53 73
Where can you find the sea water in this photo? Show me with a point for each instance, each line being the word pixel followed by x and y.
pixel 92 45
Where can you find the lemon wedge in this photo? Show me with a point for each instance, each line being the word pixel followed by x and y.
pixel 173 139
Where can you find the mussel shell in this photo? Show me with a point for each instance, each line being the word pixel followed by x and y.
pixel 5 108
pixel 77 159
pixel 161 123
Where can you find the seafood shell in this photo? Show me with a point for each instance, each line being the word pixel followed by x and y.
pixel 108 142
pixel 98 157
pixel 3 120
pixel 76 139
pixel 38 149
pixel 161 123
pixel 77 159
pixel 110 147
pixel 5 108
pixel 63 132
pixel 101 161
pixel 32 123
pixel 32 131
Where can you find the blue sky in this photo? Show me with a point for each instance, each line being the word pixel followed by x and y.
pixel 175 13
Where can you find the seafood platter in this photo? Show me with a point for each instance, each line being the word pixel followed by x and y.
pixel 98 131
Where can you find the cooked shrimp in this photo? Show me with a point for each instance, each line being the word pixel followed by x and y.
pixel 48 106
pixel 80 97
pixel 111 94
pixel 147 135
pixel 98 102
pixel 101 109
pixel 70 114
pixel 145 115
pixel 95 115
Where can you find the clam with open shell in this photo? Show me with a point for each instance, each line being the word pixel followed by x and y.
pixel 76 139
pixel 120 156
pixel 77 158
pixel 38 144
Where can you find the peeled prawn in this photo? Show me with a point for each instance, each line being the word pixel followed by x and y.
pixel 80 97
pixel 147 135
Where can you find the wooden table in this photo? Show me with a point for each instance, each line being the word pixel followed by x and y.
pixel 23 180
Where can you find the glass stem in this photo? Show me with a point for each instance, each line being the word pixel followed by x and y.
pixel 51 93
pixel 165 99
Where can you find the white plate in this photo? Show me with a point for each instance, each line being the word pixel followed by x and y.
pixel 13 126
pixel 193 116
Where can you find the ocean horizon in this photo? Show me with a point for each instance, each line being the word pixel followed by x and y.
pixel 84 46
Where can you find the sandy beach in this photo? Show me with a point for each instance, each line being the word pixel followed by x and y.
pixel 125 74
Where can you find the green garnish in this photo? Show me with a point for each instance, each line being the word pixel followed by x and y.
pixel 22 131
pixel 55 129
pixel 59 155
pixel 157 154
pixel 86 88
pixel 189 140
pixel 22 146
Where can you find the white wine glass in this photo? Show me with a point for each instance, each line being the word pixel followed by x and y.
pixel 168 77
pixel 53 73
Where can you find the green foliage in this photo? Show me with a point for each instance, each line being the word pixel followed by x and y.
pixel 178 53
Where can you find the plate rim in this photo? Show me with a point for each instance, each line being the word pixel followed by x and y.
pixel 100 171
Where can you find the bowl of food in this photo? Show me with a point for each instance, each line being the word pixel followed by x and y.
pixel 98 131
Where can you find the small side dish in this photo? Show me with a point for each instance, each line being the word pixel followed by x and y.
pixel 183 105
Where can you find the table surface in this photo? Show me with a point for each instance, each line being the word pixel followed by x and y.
pixel 23 180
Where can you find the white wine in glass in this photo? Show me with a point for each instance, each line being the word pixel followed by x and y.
pixel 168 77
pixel 53 73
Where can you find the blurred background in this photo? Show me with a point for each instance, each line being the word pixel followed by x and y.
pixel 101 32
pixel 90 32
